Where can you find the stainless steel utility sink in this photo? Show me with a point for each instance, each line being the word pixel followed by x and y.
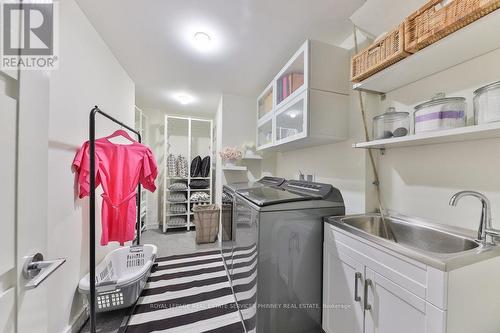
pixel 419 237
pixel 441 246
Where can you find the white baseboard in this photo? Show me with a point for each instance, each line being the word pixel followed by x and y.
pixel 79 321
pixel 152 226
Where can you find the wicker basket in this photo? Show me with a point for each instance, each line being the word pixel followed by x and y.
pixel 439 18
pixel 206 220
pixel 381 54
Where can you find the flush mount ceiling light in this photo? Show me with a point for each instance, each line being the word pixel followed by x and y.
pixel 184 99
pixel 202 39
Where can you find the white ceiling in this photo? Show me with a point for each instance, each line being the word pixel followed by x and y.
pixel 254 38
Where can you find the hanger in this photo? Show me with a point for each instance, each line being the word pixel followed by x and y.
pixel 121 132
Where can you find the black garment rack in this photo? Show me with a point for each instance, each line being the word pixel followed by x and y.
pixel 92 117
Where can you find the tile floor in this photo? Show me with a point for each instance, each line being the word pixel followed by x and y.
pixel 170 243
pixel 174 242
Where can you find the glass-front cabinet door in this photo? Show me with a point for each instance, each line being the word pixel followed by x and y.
pixel 265 133
pixel 291 120
pixel 265 103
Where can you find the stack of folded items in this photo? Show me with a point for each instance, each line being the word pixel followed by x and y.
pixel 177 197
pixel 199 196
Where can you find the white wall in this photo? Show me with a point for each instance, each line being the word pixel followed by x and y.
pixel 88 75
pixel 155 140
pixel 337 164
pixel 419 181
pixel 236 123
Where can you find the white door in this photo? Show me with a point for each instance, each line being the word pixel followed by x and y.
pixel 342 291
pixel 24 110
pixel 395 310
pixel 8 135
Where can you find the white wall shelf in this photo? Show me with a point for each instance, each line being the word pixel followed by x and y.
pixel 234 168
pixel 468 133
pixel 252 157
pixel 472 41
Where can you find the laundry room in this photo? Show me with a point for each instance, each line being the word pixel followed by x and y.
pixel 244 166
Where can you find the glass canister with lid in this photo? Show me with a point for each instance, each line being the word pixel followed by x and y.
pixel 391 124
pixel 440 113
pixel 487 104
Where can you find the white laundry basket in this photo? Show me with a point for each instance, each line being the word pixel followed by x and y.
pixel 120 277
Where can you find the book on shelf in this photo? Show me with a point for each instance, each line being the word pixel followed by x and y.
pixel 278 92
pixel 297 80
pixel 287 84
pixel 266 104
pixel 284 92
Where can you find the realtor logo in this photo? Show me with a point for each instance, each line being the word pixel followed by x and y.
pixel 29 35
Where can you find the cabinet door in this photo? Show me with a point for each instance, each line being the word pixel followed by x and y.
pixel 342 292
pixel 392 309
pixel 291 120
pixel 265 132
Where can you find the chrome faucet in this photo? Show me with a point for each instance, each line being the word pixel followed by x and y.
pixel 485 225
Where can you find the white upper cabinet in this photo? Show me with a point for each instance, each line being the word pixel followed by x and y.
pixel 291 120
pixel 307 102
pixel 265 102
pixel 265 132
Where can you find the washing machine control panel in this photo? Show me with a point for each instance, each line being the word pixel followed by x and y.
pixel 309 188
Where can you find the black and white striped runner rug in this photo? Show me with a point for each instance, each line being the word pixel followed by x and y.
pixel 191 293
pixel 242 266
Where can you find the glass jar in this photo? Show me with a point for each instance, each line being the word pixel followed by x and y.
pixel 440 113
pixel 487 104
pixel 391 124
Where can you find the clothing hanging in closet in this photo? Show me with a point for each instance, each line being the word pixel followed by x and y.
pixel 119 169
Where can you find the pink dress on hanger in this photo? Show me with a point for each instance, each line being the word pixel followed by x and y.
pixel 119 169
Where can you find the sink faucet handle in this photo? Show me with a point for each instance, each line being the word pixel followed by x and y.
pixel 493 233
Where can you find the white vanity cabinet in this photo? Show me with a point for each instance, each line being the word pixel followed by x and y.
pixel 342 292
pixel 370 289
pixel 394 309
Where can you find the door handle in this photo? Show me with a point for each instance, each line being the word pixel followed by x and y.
pixel 357 277
pixel 368 283
pixel 36 270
